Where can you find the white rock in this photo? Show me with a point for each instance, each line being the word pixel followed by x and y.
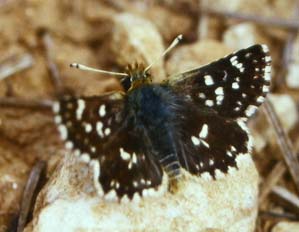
pixel 68 203
pixel 292 77
pixel 243 35
pixel 285 108
pixel 137 39
pixel 286 227
pixel 194 55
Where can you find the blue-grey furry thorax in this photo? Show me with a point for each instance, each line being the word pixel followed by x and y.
pixel 153 112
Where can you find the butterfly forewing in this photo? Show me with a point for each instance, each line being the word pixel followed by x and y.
pixel 233 86
pixel 87 123
pixel 96 128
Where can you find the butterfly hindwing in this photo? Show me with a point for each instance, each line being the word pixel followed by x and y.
pixel 128 169
pixel 233 86
pixel 97 130
pixel 211 143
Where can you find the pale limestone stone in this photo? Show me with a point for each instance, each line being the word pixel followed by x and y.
pixel 292 77
pixel 194 55
pixel 263 132
pixel 286 227
pixel 243 35
pixel 69 203
pixel 137 39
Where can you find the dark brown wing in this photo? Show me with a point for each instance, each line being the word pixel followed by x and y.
pixel 210 145
pixel 96 128
pixel 233 86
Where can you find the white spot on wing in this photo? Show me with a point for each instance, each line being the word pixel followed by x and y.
pixel 107 131
pixel 267 76
pixel 134 158
pixel 57 119
pixel 229 153
pixel 80 109
pixel 205 143
pixel 219 99
pixel 265 48
pixel 260 99
pixel 268 58
pixel 85 158
pixel 266 89
pixel 102 110
pixel 204 131
pixel 250 110
pixel 63 131
pixel 219 91
pixel 202 95
pixel 195 140
pixel 209 103
pixel 233 148
pixel 100 129
pixel 88 127
pixel 56 107
pixel 208 80
pixel 69 145
pixel 268 69
pixel 93 149
pixel 77 152
pixel 235 85
pixel 135 184
pixel 124 155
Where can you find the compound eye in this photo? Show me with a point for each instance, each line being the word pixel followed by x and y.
pixel 126 83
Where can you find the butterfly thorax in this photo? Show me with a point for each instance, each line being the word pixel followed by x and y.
pixel 152 110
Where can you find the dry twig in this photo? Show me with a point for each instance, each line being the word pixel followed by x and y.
pixel 271 180
pixel 29 193
pixel 33 104
pixel 273 21
pixel 288 198
pixel 54 73
pixel 284 142
pixel 15 64
pixel 278 216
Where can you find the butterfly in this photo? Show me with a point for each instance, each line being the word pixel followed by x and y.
pixel 195 121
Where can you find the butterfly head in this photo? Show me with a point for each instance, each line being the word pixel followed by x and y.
pixel 137 76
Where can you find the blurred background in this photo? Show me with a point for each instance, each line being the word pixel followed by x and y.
pixel 39 39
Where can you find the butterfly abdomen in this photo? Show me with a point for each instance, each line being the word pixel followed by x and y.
pixel 155 120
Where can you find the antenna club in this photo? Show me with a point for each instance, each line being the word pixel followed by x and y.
pixel 180 37
pixel 74 65
pixel 171 46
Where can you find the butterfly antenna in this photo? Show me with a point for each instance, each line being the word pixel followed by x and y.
pixel 171 46
pixel 86 68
